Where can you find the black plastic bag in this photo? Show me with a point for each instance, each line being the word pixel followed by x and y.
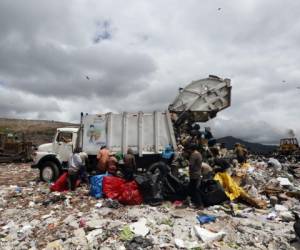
pixel 150 186
pixel 212 193
pixel 221 164
pixel 173 188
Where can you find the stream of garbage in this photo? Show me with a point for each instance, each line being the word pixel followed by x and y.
pixel 33 217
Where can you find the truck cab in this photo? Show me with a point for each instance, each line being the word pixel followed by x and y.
pixel 52 158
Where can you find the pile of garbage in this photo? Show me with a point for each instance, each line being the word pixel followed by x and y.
pixel 34 217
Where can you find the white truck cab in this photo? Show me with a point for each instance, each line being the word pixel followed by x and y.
pixel 52 158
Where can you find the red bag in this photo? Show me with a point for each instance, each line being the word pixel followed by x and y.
pixel 61 184
pixel 130 194
pixel 126 193
pixel 112 186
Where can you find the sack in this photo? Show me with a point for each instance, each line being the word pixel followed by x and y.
pixel 173 188
pixel 160 167
pixel 61 184
pixel 96 185
pixel 212 193
pixel 231 188
pixel 130 194
pixel 150 186
pixel 112 186
pixel 126 193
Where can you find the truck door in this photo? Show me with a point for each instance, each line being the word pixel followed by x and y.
pixel 63 145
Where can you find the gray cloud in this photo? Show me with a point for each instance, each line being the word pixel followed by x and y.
pixel 16 103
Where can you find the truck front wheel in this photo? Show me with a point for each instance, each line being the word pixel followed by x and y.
pixel 49 171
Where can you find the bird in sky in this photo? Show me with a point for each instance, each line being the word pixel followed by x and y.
pixel 283 81
pixel 87 77
pixel 297 87
pixel 219 9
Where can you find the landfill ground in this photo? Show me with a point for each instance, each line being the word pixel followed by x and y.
pixel 34 218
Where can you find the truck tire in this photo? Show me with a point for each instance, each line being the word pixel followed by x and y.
pixel 49 171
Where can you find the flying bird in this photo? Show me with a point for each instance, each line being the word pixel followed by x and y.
pixel 87 77
pixel 297 87
pixel 219 9
pixel 283 81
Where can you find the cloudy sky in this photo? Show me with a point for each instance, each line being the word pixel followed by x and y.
pixel 137 53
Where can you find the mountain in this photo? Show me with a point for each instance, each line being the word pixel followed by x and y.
pixel 252 147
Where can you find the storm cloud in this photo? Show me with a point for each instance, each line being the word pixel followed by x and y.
pixel 60 58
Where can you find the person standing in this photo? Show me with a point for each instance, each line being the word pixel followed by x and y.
pixel 241 153
pixel 195 164
pixel 129 164
pixel 103 157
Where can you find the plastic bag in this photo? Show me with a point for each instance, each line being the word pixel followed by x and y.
pixel 112 186
pixel 150 184
pixel 233 191
pixel 96 185
pixel 173 188
pixel 126 193
pixel 61 184
pixel 231 188
pixel 130 194
pixel 208 236
pixel 203 219
pixel 212 192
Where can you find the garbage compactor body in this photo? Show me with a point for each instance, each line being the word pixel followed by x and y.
pixel 146 133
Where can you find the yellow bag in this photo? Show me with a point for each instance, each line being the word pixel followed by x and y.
pixel 231 188
pixel 234 191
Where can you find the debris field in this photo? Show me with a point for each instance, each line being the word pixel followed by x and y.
pixel 32 217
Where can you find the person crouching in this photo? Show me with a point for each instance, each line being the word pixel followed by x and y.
pixel 75 164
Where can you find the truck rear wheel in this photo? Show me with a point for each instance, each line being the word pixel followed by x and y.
pixel 49 171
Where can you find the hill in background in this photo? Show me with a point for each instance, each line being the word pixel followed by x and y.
pixel 252 147
pixel 37 131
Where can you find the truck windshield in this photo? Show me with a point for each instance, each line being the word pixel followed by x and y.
pixel 64 137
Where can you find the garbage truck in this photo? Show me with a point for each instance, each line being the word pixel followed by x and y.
pixel 146 133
